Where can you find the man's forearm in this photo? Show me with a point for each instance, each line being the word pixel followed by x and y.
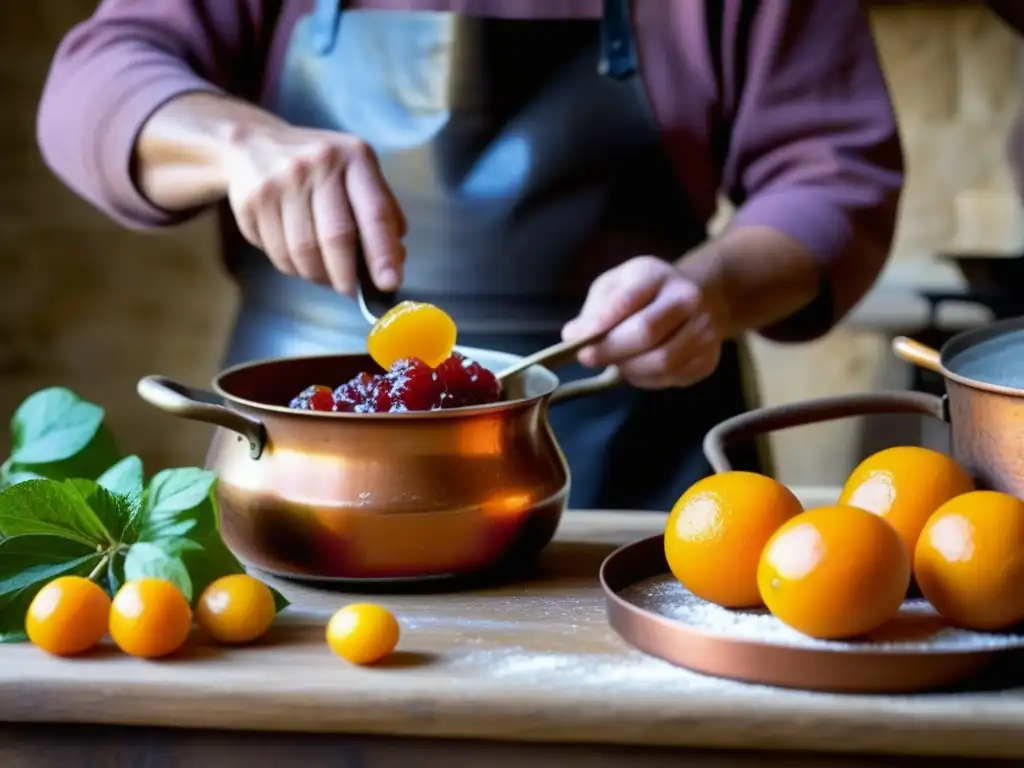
pixel 179 154
pixel 759 274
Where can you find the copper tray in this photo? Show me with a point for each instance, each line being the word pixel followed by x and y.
pixel 838 667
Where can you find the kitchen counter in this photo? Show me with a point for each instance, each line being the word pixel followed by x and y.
pixel 533 662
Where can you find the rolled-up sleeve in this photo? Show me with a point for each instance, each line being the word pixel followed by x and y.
pixel 815 151
pixel 115 69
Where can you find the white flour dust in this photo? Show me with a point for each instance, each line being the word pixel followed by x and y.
pixel 521 666
pixel 917 628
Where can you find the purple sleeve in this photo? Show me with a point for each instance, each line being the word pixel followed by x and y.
pixel 815 150
pixel 112 71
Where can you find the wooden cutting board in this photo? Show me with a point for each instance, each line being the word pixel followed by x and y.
pixel 533 661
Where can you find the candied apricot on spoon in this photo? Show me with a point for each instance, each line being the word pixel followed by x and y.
pixel 410 330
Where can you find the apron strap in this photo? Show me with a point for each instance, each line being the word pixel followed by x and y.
pixel 325 17
pixel 618 49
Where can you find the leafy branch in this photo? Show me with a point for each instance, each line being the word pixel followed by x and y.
pixel 71 505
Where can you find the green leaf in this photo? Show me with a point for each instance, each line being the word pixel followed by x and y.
pixel 115 512
pixel 52 425
pixel 58 435
pixel 178 490
pixel 211 559
pixel 150 560
pixel 9 476
pixel 27 563
pixel 21 553
pixel 178 546
pixel 207 559
pixel 90 462
pixel 51 508
pixel 28 559
pixel 124 478
pixel 166 528
pixel 132 528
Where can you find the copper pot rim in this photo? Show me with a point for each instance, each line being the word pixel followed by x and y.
pixel 970 339
pixel 250 418
pixel 860 670
pixel 546 382
pixel 218 386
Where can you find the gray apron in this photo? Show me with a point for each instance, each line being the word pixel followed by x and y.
pixel 527 162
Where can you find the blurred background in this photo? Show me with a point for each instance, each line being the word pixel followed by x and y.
pixel 93 307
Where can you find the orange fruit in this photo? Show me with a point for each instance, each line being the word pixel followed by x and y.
pixel 150 618
pixel 412 329
pixel 68 616
pixel 834 572
pixel 363 633
pixel 236 609
pixel 905 485
pixel 969 561
pixel 716 531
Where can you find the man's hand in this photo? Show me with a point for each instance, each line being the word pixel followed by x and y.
pixel 667 328
pixel 309 198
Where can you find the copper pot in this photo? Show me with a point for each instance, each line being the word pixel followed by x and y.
pixel 379 496
pixel 983 405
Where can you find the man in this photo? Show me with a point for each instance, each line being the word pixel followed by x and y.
pixel 547 165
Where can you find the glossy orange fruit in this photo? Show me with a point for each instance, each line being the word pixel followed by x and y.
pixel 236 609
pixel 905 485
pixel 834 572
pixel 717 529
pixel 412 329
pixel 363 633
pixel 969 561
pixel 68 616
pixel 150 618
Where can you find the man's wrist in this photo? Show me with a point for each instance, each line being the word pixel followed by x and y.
pixel 752 277
pixel 183 153
pixel 708 269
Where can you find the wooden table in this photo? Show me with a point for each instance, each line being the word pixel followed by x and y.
pixel 522 675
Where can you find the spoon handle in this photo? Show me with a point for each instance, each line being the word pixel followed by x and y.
pixel 554 356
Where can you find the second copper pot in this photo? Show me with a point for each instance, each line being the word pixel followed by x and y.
pixel 983 405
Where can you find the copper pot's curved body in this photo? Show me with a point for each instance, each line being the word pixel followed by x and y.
pixel 983 405
pixel 379 496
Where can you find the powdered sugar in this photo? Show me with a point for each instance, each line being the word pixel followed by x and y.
pixel 917 628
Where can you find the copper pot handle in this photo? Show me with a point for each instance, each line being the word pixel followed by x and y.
pixel 916 353
pixel 609 378
pixel 188 403
pixel 763 420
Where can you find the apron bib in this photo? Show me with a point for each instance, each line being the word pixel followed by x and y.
pixel 527 162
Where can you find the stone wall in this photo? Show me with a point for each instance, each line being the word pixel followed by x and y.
pixel 86 304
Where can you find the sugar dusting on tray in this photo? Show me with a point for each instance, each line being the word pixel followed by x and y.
pixel 917 628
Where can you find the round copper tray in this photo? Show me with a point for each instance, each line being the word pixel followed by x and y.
pixel 836 667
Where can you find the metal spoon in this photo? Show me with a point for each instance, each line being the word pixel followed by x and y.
pixel 550 357
pixel 367 291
